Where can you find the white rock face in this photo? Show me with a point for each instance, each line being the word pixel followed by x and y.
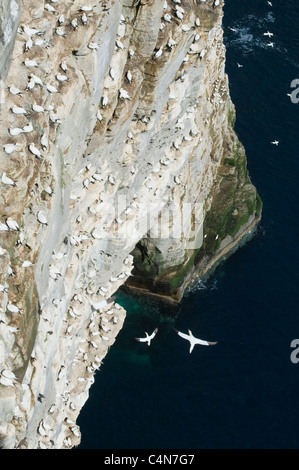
pixel 107 162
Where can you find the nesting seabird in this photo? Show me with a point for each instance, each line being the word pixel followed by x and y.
pixel 148 337
pixel 193 341
pixel 93 45
pixel 35 151
pixel 30 63
pixel 52 89
pixel 15 131
pixel 42 218
pixel 14 90
pixel 18 110
pixel 9 148
pixel 28 127
pixel 74 23
pixel 64 67
pixel 3 228
pixel 27 264
pixel 61 78
pixel 119 44
pixel 49 8
pixel 12 308
pixel 86 8
pixel 38 109
pixel 124 94
pixel 12 224
pixel 6 180
pixel 44 141
pixel 158 53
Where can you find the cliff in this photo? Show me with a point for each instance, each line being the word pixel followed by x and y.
pixel 119 165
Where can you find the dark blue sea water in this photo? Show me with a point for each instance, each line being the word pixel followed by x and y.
pixel 243 392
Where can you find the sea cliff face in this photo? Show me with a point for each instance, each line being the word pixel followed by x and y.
pixel 118 157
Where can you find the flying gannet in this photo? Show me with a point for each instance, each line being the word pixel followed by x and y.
pixel 147 339
pixel 193 341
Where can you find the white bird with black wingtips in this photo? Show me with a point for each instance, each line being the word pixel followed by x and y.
pixel 35 151
pixel 9 148
pixel 148 338
pixel 193 341
pixel 6 180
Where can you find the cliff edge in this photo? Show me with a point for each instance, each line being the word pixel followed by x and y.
pixel 119 165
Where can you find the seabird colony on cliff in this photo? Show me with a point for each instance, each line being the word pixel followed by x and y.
pixel 34 39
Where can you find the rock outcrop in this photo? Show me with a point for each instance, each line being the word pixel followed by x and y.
pixel 118 157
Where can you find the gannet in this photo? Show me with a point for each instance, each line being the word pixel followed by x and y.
pixel 15 131
pixel 6 382
pixel 12 308
pixel 30 63
pixel 34 150
pixel 239 65
pixel 44 141
pixel 27 264
pixel 28 44
pixel 61 78
pixel 193 341
pixel 60 32
pixel 124 94
pixel 104 100
pixel 270 44
pixel 158 53
pixel 18 110
pixel 36 79
pixel 64 67
pixel 268 34
pixel 74 23
pixel 93 45
pixel 30 31
pixel 119 44
pixel 86 8
pixel 37 108
pixel 167 17
pixel 84 19
pixel 179 14
pixel 28 127
pixel 275 142
pixel 31 84
pixel 39 42
pixel 50 8
pixel 14 90
pixel 42 218
pixel 12 224
pixel 52 89
pixel 8 374
pixel 6 180
pixel 3 227
pixel 9 148
pixel 148 337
